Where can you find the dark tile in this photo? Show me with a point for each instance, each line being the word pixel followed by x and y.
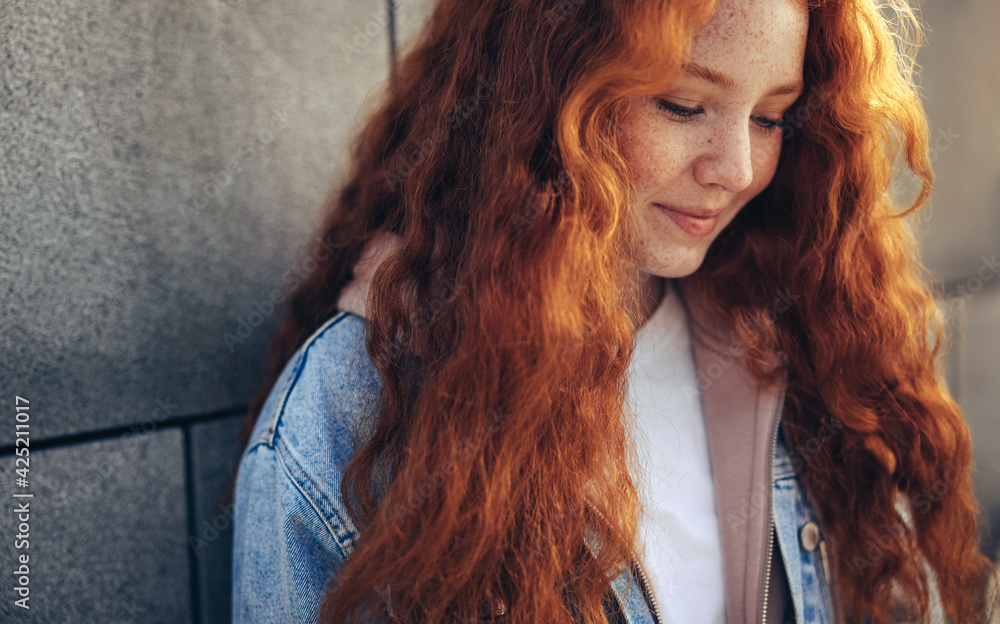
pixel 214 458
pixel 108 526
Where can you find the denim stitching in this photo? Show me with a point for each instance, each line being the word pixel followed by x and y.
pixel 307 487
pixel 300 365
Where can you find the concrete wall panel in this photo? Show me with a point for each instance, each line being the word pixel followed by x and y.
pixel 108 528
pixel 162 168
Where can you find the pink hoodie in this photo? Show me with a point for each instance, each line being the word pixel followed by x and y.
pixel 740 418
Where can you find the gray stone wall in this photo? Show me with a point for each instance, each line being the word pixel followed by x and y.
pixel 161 171
pixel 960 230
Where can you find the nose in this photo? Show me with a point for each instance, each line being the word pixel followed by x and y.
pixel 726 162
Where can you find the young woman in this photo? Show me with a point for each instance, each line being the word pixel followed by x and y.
pixel 615 320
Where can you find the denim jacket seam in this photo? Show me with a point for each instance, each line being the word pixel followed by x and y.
pixel 301 357
pixel 271 453
pixel 310 490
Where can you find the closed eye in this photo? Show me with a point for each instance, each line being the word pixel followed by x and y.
pixel 684 113
pixel 678 112
pixel 767 124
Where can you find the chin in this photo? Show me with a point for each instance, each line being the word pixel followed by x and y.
pixel 675 266
pixel 676 273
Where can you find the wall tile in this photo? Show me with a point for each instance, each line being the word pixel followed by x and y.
pixel 162 171
pixel 980 399
pixel 108 525
pixel 214 458
pixel 960 89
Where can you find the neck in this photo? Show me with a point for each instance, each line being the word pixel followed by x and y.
pixel 651 289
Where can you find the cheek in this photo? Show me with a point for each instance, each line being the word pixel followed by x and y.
pixel 639 155
pixel 654 154
pixel 765 163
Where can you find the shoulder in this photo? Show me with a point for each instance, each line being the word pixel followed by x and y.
pixel 315 419
pixel 325 392
pixel 292 529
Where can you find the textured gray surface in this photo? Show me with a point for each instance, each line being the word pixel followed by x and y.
pixel 162 167
pixel 410 16
pixel 961 87
pixel 980 397
pixel 214 457
pixel 108 529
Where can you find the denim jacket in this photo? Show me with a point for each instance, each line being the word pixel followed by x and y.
pixel 292 529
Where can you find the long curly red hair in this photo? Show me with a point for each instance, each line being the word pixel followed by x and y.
pixel 503 327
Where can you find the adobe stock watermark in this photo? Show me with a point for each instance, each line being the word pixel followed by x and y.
pixel 164 409
pixel 114 460
pixel 964 291
pixel 129 612
pixel 219 181
pixel 723 361
pixel 939 145
pixel 564 9
pixel 801 456
pixel 364 35
pixel 220 5
pixel 452 122
pixel 897 532
pixel 758 500
pixel 534 545
pixel 445 293
pixel 433 481
pixel 534 205
pixel 247 323
pixel 151 79
pixel 942 143
pixel 792 121
pixel 877 548
pixel 211 529
pixel 565 349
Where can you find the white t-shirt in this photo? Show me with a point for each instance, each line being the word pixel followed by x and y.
pixel 680 533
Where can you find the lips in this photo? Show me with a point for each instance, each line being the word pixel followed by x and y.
pixel 694 222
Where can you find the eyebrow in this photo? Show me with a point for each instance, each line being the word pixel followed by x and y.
pixel 725 81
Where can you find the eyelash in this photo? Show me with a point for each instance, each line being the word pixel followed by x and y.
pixel 684 114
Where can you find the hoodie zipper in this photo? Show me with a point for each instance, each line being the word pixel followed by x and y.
pixel 767 576
pixel 770 514
pixel 648 590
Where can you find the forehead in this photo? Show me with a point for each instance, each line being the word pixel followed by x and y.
pixel 756 42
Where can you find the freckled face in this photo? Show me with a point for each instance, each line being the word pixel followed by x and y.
pixel 703 149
